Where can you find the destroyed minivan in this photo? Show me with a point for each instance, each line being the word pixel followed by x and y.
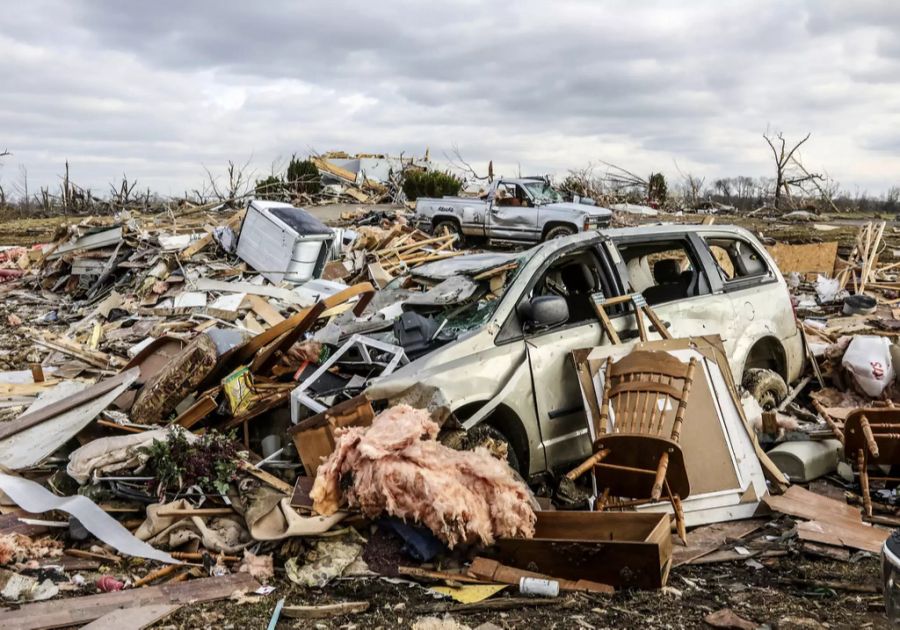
pixel 512 372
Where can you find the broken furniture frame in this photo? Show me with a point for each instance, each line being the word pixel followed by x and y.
pixel 872 436
pixel 641 388
pixel 363 344
pixel 641 309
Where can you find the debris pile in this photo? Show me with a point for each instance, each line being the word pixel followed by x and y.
pixel 216 405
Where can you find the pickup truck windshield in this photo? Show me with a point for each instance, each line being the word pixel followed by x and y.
pixel 542 192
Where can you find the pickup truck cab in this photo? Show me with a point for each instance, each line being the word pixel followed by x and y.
pixel 520 210
pixel 514 370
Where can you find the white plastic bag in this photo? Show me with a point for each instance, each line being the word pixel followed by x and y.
pixel 868 359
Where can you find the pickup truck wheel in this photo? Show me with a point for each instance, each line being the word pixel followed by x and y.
pixel 449 227
pixel 766 386
pixel 558 232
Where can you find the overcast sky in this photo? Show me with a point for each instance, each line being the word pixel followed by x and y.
pixel 159 89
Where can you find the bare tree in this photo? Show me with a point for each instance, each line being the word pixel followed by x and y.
pixel 789 172
pixel 457 162
pixel 691 187
pixel 238 182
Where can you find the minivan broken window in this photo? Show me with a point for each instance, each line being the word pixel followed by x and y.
pixel 663 271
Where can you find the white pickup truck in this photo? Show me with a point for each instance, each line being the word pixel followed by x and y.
pixel 521 210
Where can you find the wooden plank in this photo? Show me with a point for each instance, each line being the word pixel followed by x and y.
pixel 136 618
pixel 196 412
pixel 266 311
pixel 844 534
pixel 324 611
pixel 54 409
pixel 81 610
pixel 800 502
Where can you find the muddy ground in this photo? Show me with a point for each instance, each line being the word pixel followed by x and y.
pixel 763 596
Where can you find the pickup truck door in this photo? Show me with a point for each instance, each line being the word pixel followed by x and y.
pixel 513 217
pixel 558 401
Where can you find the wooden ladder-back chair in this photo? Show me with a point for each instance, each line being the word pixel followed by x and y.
pixel 872 436
pixel 641 457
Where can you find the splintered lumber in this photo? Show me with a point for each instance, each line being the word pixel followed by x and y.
pixel 324 611
pixel 509 603
pixel 73 348
pixel 334 169
pixel 81 610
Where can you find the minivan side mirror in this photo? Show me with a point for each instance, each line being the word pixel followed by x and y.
pixel 543 311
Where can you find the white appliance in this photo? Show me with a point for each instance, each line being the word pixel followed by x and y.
pixel 284 243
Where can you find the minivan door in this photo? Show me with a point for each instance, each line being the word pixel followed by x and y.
pixel 558 401
pixel 672 271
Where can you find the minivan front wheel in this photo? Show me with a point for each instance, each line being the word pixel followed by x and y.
pixel 766 386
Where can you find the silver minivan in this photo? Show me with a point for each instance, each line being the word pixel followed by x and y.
pixel 513 374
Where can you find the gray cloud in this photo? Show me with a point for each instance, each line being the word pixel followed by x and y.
pixel 158 89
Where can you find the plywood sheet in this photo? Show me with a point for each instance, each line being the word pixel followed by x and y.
pixel 802 503
pixel 844 534
pixel 805 259
pixel 136 618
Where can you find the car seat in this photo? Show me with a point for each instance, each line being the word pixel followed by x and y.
pixel 671 284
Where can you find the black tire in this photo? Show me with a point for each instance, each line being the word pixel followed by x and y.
pixel 485 435
pixel 451 227
pixel 559 231
pixel 766 386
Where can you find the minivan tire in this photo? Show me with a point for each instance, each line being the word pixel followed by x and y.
pixel 766 386
pixel 483 433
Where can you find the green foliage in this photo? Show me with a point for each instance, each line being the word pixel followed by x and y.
pixel 269 188
pixel 430 184
pixel 657 190
pixel 303 177
pixel 210 462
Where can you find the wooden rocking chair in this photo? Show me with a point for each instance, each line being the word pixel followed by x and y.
pixel 642 459
pixel 872 436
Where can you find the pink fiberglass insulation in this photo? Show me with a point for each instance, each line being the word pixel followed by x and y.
pixel 399 468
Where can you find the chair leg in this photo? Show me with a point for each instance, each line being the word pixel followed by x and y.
pixel 679 514
pixel 661 469
pixel 679 519
pixel 602 500
pixel 862 464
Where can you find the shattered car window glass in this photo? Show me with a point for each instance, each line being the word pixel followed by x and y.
pixel 542 192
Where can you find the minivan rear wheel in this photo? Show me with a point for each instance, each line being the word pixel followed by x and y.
pixel 766 386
